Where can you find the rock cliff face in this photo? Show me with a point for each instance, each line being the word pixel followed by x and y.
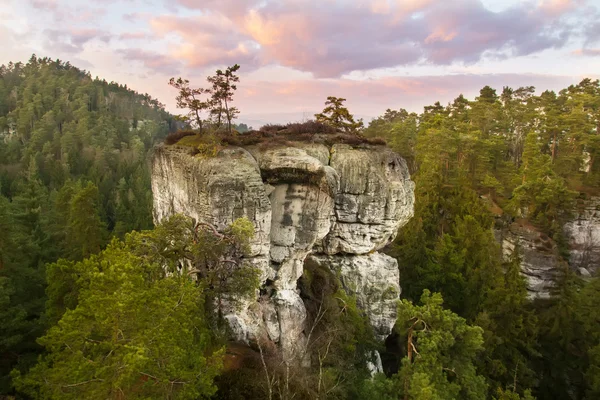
pixel 583 235
pixel 540 258
pixel 337 205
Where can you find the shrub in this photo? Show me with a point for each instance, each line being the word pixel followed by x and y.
pixel 270 136
pixel 175 137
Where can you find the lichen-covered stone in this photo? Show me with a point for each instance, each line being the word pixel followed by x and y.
pixel 375 198
pixel 540 259
pixel 583 236
pixel 374 280
pixel 538 253
pixel 339 205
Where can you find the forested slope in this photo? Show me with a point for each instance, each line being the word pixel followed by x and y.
pixel 74 180
pixel 73 173
pixel 484 164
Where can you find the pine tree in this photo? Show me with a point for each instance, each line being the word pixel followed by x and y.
pixel 338 116
pixel 86 232
pixel 440 350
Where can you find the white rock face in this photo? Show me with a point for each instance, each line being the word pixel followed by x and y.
pixel 375 281
pixel 375 197
pixel 338 205
pixel 583 234
pixel 540 260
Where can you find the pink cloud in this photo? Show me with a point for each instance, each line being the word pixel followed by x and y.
pixel 371 97
pixel 44 4
pixel 207 40
pixel 73 40
pixel 135 36
pixel 587 52
pixel 154 61
pixel 330 38
pixel 557 7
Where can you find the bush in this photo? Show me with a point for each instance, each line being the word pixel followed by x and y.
pixel 175 137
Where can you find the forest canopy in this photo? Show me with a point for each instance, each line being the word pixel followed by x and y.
pixel 94 298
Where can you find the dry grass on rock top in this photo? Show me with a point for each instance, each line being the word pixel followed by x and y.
pixel 270 136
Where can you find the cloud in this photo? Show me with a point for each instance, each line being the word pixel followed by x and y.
pixel 331 38
pixel 135 36
pixel 15 45
pixel 208 40
pixel 154 61
pixel 71 13
pixel 557 7
pixel 372 96
pixel 587 52
pixel 44 4
pixel 73 40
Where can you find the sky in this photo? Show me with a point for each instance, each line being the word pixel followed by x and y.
pixel 378 54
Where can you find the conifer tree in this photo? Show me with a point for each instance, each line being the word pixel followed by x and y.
pixel 338 116
pixel 192 99
pixel 223 88
pixel 440 350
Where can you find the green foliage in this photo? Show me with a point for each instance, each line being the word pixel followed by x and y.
pixel 569 340
pixel 400 129
pixel 205 145
pixel 215 100
pixel 506 395
pixel 134 333
pixel 73 171
pixel 130 321
pixel 223 87
pixel 542 196
pixel 191 99
pixel 242 128
pixel 441 349
pixel 513 155
pixel 510 333
pixel 338 116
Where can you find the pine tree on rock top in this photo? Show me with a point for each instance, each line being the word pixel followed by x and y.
pixel 338 116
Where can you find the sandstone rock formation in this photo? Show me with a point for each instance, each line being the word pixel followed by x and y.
pixel 338 205
pixel 538 253
pixel 540 259
pixel 583 235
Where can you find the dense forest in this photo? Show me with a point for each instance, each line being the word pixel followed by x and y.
pixel 481 164
pixel 96 303
pixel 73 174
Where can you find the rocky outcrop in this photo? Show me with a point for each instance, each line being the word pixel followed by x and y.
pixel 538 254
pixel 583 235
pixel 338 205
pixel 540 258
pixel 373 279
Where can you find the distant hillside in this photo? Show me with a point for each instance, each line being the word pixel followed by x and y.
pixel 73 173
pixel 55 117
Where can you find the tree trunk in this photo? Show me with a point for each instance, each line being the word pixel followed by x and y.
pixel 228 116
pixel 220 113
pixel 199 121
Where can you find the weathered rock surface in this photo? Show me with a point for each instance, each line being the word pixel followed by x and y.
pixel 583 235
pixel 539 256
pixel 540 259
pixel 337 205
pixel 375 281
